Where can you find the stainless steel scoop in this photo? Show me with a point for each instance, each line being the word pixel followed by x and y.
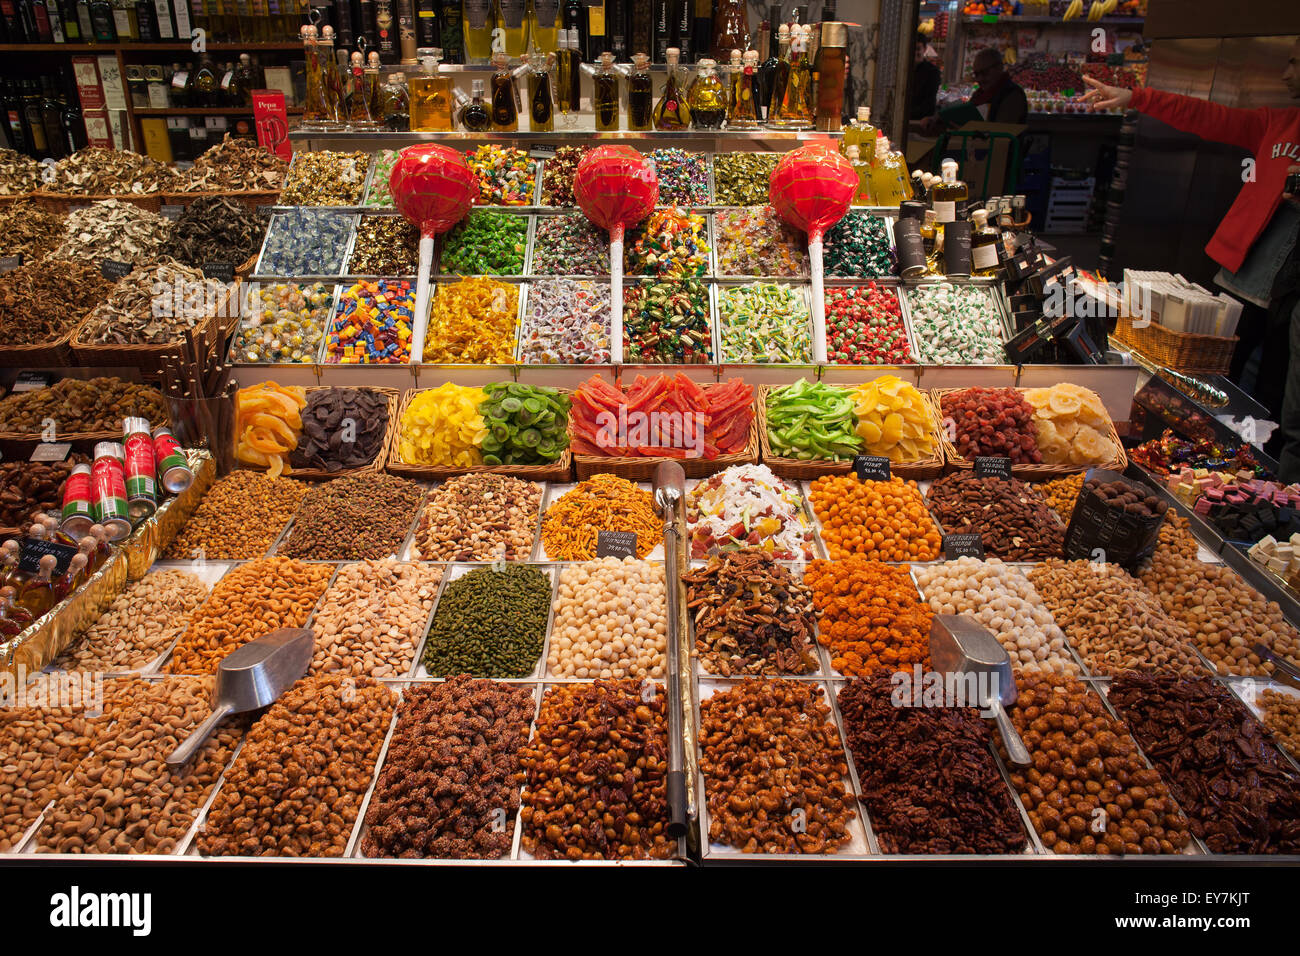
pixel 250 677
pixel 961 645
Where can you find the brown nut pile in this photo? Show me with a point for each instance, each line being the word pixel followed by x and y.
pixel 928 779
pixel 139 625
pixel 449 786
pixel 1282 718
pixel 1002 599
pixel 326 178
pixel 774 769
pixel 1011 518
pixel 595 774
pixel 135 314
pixel 96 171
pixel 29 230
pixel 353 518
pixel 251 600
pixel 19 173
pixel 482 517
pixel 123 798
pixel 297 785
pixel 239 518
pixel 751 615
pixel 236 164
pixel 1089 790
pixel 113 229
pixel 76 405
pixel 1113 622
pixel 30 486
pixel 372 618
pixel 385 246
pixel 1224 615
pixel 39 746
pixel 1240 793
pixel 44 301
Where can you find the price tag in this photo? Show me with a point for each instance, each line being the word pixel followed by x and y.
pixel 990 466
pixel 31 550
pixel 10 263
pixel 171 211
pixel 221 271
pixel 962 546
pixel 616 544
pixel 541 151
pixel 871 468
pixel 113 270
pixel 33 381
pixel 51 451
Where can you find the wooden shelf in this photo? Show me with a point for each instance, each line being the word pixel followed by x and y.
pixel 109 48
pixel 204 111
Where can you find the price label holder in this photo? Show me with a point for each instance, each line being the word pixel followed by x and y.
pixel 31 550
pixel 871 468
pixel 33 381
pixel 221 271
pixel 541 151
pixel 51 451
pixel 962 546
pixel 616 544
pixel 171 211
pixel 10 263
pixel 113 270
pixel 990 466
pixel 1099 530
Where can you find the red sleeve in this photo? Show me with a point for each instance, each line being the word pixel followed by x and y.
pixel 1219 124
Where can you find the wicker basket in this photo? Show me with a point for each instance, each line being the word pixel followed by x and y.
pixel 955 462
pixel 798 469
pixel 56 353
pixel 559 470
pixel 642 468
pixel 1182 351
pixel 253 198
pixel 381 456
pixel 66 202
pixel 198 346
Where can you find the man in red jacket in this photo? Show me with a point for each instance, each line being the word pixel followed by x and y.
pixel 1256 243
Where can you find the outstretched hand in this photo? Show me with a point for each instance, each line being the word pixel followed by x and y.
pixel 1102 97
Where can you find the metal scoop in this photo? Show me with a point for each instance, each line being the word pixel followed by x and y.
pixel 960 645
pixel 250 677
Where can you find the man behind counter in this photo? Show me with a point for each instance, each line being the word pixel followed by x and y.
pixel 999 98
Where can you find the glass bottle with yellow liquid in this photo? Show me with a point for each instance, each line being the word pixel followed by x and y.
pixel 862 195
pixel 672 111
pixel 512 20
pixel 862 134
pixel 505 96
pixel 797 106
pixel 544 24
pixel 604 94
pixel 742 111
pixel 541 111
pixel 478 24
pixel 640 94
pixel 889 180
pixel 431 97
pixel 707 97
pixel 948 196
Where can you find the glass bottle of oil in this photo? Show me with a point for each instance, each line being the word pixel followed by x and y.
pixel 541 116
pixel 316 113
pixel 797 104
pixel 478 25
pixel 948 196
pixel 604 94
pixel 512 19
pixel 430 96
pixel 359 94
pixel 707 97
pixel 862 195
pixel 543 24
pixel 475 116
pixel 568 77
pixel 672 111
pixel 640 94
pixel 862 134
pixel 505 108
pixel 742 112
pixel 780 72
pixel 985 243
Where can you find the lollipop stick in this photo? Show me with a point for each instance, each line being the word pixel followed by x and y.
pixel 818 300
pixel 422 299
pixel 616 295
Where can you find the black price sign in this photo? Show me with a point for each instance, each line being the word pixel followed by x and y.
pixel 871 468
pixel 113 270
pixel 31 550
pixel 962 546
pixel 171 211
pixel 616 544
pixel 990 466
pixel 33 381
pixel 541 151
pixel 221 271
pixel 10 263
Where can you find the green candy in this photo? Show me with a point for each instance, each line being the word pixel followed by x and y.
pixel 486 243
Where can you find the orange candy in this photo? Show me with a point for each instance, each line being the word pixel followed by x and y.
pixel 881 520
pixel 872 618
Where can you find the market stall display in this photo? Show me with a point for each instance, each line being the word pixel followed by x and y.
pixel 746 506
pixel 871 617
pixel 479 517
pixel 490 622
